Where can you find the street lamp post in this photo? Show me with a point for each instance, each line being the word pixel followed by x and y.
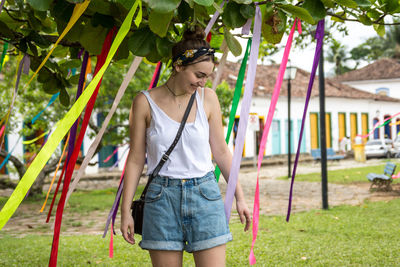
pixel 290 74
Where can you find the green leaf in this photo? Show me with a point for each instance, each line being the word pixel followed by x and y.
pixel 248 11
pixel 299 12
pixel 273 25
pixel 390 6
pixel 41 5
pixel 164 47
pixel 123 51
pixel 363 3
pixel 164 6
pixel 33 49
pixel 233 44
pixel 218 8
pixel 380 29
pixel 204 2
pixel 364 19
pixel 142 42
pixel 232 16
pixel 373 14
pixel 126 3
pixel 38 39
pixel 216 41
pixel 70 63
pixel 341 14
pixel 5 31
pixel 246 2
pixel 159 22
pixel 102 20
pixel 64 97
pixel 51 86
pixel 89 34
pixel 184 12
pixel 316 9
pixel 347 3
pixel 153 57
pixel 328 3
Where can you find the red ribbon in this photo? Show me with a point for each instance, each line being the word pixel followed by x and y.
pixel 71 164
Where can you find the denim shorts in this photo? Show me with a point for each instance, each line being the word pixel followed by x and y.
pixel 184 214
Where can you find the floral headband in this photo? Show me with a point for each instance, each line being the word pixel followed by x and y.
pixel 191 54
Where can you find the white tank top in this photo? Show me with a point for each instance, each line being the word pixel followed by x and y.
pixel 191 156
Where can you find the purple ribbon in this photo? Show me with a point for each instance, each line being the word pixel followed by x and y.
pixel 244 114
pixel 247 26
pixel 2 4
pixel 113 212
pixel 319 35
pixel 213 19
pixel 71 143
pixel 23 66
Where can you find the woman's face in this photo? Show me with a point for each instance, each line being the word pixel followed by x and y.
pixel 193 76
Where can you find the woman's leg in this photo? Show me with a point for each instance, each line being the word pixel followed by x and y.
pixel 212 257
pixel 166 258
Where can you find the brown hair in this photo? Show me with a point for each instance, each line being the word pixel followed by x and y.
pixel 192 39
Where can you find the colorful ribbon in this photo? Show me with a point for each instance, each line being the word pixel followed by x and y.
pixel 213 19
pixel 3 54
pixel 2 4
pixel 55 174
pixel 78 11
pixel 236 99
pixel 35 139
pixel 377 125
pixel 118 160
pixel 319 36
pixel 244 114
pixel 23 66
pixel 74 149
pixel 156 76
pixel 91 151
pixel 52 99
pixel 65 124
pixel 9 154
pixel 271 111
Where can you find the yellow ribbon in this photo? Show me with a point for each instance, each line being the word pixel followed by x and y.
pixel 64 125
pixel 34 139
pixel 78 11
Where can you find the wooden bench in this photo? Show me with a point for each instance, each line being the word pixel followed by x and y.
pixel 381 182
pixel 330 154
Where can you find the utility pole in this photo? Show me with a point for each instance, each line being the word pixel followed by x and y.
pixel 324 172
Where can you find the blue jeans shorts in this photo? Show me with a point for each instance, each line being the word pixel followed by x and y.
pixel 184 214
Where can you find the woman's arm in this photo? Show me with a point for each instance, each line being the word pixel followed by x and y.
pixel 221 152
pixel 135 162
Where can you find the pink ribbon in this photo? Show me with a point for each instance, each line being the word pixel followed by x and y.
pixel 396 176
pixel 377 125
pixel 2 130
pixel 110 156
pixel 244 115
pixel 274 100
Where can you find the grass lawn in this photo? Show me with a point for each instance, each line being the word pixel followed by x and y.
pixel 344 176
pixel 366 235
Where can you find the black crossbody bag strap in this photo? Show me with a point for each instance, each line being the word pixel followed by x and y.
pixel 165 157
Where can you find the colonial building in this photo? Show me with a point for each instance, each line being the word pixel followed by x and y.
pixel 349 111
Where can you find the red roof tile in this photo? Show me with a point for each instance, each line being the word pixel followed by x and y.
pixel 266 76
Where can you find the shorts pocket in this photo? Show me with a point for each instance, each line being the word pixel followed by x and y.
pixel 154 193
pixel 210 190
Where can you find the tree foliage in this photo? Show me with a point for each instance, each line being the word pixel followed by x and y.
pixel 32 26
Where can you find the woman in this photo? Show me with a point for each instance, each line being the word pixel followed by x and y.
pixel 184 209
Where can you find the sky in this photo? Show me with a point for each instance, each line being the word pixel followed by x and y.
pixel 303 59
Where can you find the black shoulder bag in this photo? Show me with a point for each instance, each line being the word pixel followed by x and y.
pixel 138 205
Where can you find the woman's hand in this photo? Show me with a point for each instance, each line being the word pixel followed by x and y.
pixel 244 213
pixel 127 228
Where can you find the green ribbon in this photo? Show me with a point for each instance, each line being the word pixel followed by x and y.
pixel 3 55
pixel 236 98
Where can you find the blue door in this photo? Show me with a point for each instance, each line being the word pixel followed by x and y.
pixel 291 137
pixel 276 137
pixel 303 140
pixel 376 131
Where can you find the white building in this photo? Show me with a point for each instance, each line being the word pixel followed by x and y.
pixel 349 111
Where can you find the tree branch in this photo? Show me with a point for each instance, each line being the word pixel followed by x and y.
pixel 356 20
